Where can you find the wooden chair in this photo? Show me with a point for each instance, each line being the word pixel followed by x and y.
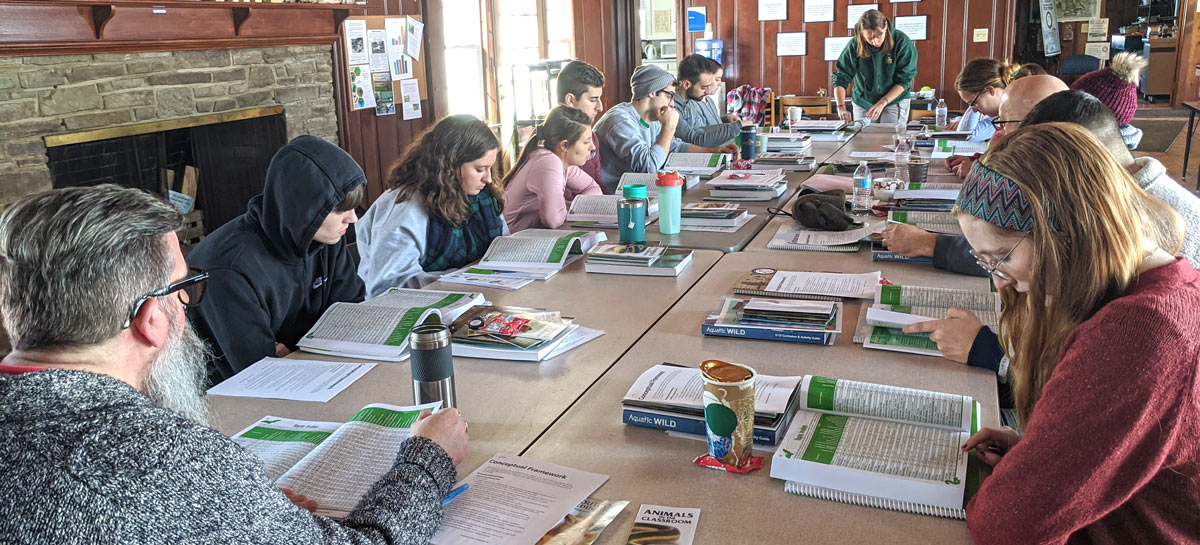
pixel 813 105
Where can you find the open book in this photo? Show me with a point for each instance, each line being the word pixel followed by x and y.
pixel 896 306
pixel 603 208
pixel 648 179
pixel 700 164
pixel 879 446
pixel 333 464
pixel 378 329
pixel 937 222
pixel 539 249
pixel 768 282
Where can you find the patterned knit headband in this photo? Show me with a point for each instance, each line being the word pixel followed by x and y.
pixel 996 199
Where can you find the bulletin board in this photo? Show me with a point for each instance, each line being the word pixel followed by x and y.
pixel 384 73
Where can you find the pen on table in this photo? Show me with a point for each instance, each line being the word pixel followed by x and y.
pixel 454 494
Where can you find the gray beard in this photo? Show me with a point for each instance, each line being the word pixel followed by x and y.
pixel 177 377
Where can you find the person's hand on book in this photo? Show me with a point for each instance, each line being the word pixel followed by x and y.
pixel 731 149
pixel 300 500
pixel 909 240
pixel 991 444
pixel 447 429
pixel 954 335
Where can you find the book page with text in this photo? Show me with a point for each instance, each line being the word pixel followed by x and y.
pixel 922 296
pixel 339 471
pixel 281 442
pixel 849 397
pixel 834 284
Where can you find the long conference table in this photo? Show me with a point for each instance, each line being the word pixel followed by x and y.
pixel 567 410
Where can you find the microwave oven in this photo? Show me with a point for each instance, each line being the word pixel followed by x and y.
pixel 667 50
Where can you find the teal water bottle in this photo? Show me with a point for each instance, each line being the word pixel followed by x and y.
pixel 670 201
pixel 631 213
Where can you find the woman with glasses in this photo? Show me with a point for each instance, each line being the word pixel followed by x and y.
pixel 980 85
pixel 1100 322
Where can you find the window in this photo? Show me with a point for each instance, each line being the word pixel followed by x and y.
pixel 511 72
pixel 464 58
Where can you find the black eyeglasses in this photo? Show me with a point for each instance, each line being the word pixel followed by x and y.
pixel 999 124
pixel 670 94
pixel 972 104
pixel 190 289
pixel 993 269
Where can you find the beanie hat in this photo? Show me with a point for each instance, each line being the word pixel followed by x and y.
pixel 1116 86
pixel 649 79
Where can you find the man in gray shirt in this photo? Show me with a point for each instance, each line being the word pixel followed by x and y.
pixel 636 136
pixel 698 120
pixel 105 432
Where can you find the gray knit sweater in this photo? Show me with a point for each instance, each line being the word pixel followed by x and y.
pixel 88 459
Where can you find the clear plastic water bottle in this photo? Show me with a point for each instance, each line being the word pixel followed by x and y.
pixel 860 204
pixel 942 117
pixel 901 159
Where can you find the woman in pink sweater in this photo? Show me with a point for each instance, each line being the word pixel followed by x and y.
pixel 547 176
pixel 1102 325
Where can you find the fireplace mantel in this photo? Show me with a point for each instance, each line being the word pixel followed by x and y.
pixel 64 27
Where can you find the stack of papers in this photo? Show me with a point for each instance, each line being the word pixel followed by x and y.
pixel 813 322
pixel 791 161
pixel 668 396
pixel 698 164
pixel 926 199
pixel 793 236
pixel 769 282
pixel 491 278
pixel 295 379
pixel 714 214
pixel 943 149
pixel 787 141
pixel 509 333
pixel 637 259
pixel 817 126
pixel 747 185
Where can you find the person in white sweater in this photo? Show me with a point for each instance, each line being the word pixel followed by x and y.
pixel 1086 110
pixel 441 210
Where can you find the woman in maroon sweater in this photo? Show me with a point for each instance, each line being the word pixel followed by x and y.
pixel 1102 324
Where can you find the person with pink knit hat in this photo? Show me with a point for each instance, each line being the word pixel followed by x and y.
pixel 1117 87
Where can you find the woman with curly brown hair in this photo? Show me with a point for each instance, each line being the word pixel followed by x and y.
pixel 440 212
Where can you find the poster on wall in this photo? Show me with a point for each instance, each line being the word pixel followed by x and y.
pixel 1050 44
pixel 393 28
pixel 413 30
pixel 854 13
pixel 834 45
pixel 916 27
pixel 818 11
pixel 1077 10
pixel 377 40
pixel 791 44
pixel 385 103
pixel 356 42
pixel 1097 30
pixel 362 93
pixel 1100 50
pixel 772 10
pixel 696 18
pixel 410 99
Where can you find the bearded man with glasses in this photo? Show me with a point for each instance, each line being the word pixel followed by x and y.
pixel 104 430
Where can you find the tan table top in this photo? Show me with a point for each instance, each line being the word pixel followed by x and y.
pixel 648 467
pixel 507 403
pixel 722 242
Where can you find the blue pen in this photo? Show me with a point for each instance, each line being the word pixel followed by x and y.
pixel 454 494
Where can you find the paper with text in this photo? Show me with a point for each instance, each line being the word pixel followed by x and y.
pixel 300 380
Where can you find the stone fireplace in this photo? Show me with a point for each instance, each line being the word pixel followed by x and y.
pixel 55 96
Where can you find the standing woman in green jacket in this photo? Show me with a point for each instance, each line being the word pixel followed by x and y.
pixel 882 62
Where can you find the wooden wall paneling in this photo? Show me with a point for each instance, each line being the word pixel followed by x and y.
pixel 26 23
pixel 1187 85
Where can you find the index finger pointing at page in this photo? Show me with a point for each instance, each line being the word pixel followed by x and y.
pixel 923 327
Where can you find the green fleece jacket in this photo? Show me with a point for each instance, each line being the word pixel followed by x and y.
pixel 874 75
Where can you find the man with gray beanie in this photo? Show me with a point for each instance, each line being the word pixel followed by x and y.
pixel 105 430
pixel 636 136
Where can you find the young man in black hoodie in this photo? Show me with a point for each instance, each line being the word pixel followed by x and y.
pixel 276 268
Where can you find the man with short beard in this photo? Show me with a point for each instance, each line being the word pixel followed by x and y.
pixel 103 430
